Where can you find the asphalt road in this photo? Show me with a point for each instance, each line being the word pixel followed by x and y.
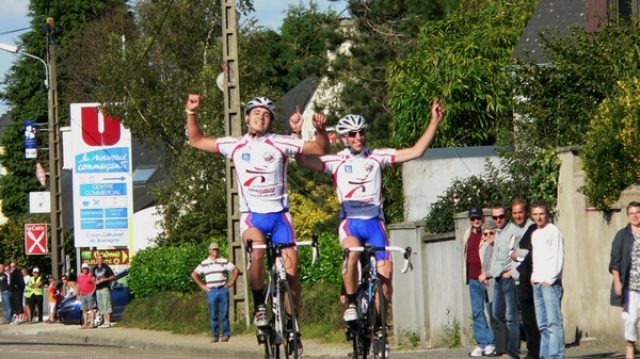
pixel 60 341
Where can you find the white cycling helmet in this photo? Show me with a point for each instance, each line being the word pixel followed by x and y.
pixel 261 102
pixel 351 123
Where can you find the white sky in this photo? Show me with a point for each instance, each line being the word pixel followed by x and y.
pixel 14 16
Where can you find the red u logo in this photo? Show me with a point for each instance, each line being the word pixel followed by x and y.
pixel 91 133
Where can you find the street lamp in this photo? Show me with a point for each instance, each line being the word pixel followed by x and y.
pixel 16 50
pixel 55 144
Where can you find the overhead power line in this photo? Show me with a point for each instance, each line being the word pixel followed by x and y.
pixel 12 31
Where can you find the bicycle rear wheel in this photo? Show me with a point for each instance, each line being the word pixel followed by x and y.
pixel 290 322
pixel 358 330
pixel 378 322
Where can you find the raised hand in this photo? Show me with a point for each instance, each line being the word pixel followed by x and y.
pixel 193 102
pixel 319 121
pixel 437 111
pixel 295 121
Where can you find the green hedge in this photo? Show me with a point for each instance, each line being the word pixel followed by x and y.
pixel 167 269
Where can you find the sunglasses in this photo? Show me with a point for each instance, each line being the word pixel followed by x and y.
pixel 500 216
pixel 491 233
pixel 475 218
pixel 354 133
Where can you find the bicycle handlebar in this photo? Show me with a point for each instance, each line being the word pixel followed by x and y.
pixel 313 243
pixel 406 253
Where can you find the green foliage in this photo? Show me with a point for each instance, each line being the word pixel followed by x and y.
pixel 610 155
pixel 380 32
pixel 451 331
pixel 304 38
pixel 563 98
pixel 167 269
pixel 463 59
pixel 475 191
pixel 329 266
pixel 321 308
pixel 530 175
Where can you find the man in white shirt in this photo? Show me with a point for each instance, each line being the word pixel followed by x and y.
pixel 547 246
pixel 219 274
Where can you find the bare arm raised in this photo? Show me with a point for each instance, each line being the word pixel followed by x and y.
pixel 320 145
pixel 196 138
pixel 423 143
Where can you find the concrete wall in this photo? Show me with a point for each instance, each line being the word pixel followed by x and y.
pixel 430 176
pixel 429 299
pixel 588 235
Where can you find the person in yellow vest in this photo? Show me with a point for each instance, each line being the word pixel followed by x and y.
pixel 35 287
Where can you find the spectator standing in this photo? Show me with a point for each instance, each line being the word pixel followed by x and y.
pixel 486 251
pixel 26 295
pixel 523 267
pixel 69 285
pixel 54 296
pixel 5 293
pixel 505 303
pixel 547 247
pixel 86 288
pixel 220 274
pixel 16 288
pixel 624 267
pixel 104 276
pixel 37 291
pixel 261 160
pixel 477 288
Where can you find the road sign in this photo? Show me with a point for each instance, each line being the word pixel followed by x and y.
pixel 102 182
pixel 35 239
pixel 109 256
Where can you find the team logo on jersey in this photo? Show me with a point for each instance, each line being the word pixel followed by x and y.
pixel 348 169
pixel 246 156
pixel 360 188
pixel 368 168
pixel 269 157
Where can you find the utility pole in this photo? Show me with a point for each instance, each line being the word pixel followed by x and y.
pixel 239 303
pixel 55 161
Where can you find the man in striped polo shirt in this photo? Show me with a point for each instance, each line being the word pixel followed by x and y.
pixel 219 274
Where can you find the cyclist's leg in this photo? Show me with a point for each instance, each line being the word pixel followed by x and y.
pixel 283 233
pixel 378 238
pixel 250 230
pixel 348 239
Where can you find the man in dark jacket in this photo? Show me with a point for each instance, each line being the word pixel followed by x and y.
pixel 16 288
pixel 624 266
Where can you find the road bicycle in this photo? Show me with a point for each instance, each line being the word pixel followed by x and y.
pixel 282 335
pixel 368 333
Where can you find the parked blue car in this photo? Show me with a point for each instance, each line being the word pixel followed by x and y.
pixel 70 312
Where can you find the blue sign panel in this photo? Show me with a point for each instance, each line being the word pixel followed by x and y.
pixel 112 160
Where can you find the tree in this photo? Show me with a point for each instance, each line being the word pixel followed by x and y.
pixel 304 38
pixel 379 33
pixel 464 59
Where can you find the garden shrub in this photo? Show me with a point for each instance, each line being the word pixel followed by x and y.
pixel 167 269
pixel 610 155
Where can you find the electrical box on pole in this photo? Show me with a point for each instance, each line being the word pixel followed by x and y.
pixel 239 304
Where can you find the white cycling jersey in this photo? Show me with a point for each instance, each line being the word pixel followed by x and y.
pixel 261 169
pixel 358 180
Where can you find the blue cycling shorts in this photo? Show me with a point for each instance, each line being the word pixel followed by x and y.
pixel 369 231
pixel 278 225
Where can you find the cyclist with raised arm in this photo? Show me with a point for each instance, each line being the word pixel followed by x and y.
pixel 260 160
pixel 357 176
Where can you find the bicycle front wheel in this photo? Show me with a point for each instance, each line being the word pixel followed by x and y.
pixel 291 335
pixel 378 321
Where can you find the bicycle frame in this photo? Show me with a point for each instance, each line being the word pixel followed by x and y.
pixel 362 332
pixel 277 289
